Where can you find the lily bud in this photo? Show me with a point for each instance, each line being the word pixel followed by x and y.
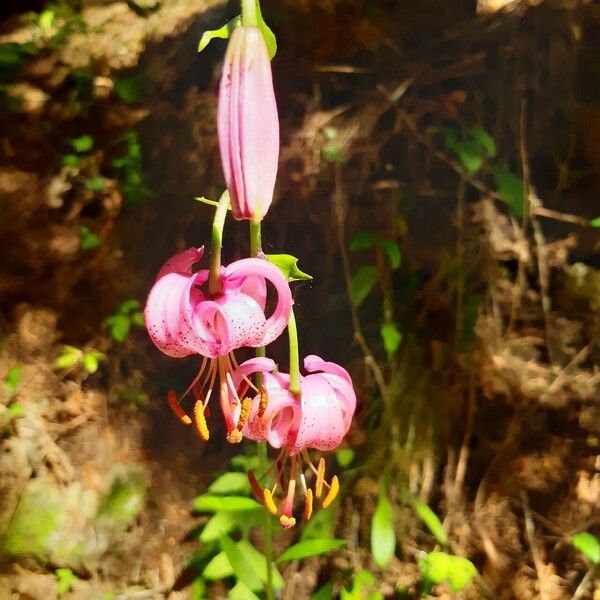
pixel 248 124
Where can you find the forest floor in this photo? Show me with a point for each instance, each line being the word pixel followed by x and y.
pixel 471 143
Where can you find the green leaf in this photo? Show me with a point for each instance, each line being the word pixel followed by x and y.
pixel 324 593
pixel 71 160
pixel 12 379
pixel 65 579
pixel 91 360
pixel 218 568
pixel 257 561
pixel 484 138
pixel 128 305
pixel 269 36
pixel 361 284
pixel 230 483
pixel 95 184
pixel 392 251
pixel 15 410
pixel 242 568
pixel 320 525
pixel 288 265
pixel 118 325
pixel 88 240
pixel 589 545
pixel 307 548
pixel 470 153
pixel 510 189
pixel 391 337
pixel 69 358
pixel 344 457
pixel 204 200
pixel 246 462
pixel 383 537
pixel 129 89
pixel 595 222
pixel 241 591
pixel 137 318
pixel 217 526
pixel 431 520
pixel 198 589
pixel 362 241
pixel 208 503
pixel 438 567
pixel 83 143
pixel 46 19
pixel 221 33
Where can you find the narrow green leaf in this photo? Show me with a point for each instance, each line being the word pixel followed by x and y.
pixel 230 483
pixel 288 265
pixel 484 138
pixel 204 200
pixel 12 379
pixel 222 33
pixel 258 562
pixel 217 526
pixel 362 241
pixel 392 251
pixel 510 189
pixel 240 591
pixel 383 536
pixel 308 548
pixel 218 568
pixel 242 569
pixel 391 337
pixel 589 545
pixel 208 503
pixel 324 593
pixel 431 520
pixel 361 284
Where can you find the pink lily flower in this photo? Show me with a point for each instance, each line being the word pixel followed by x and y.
pixel 319 417
pixel 248 124
pixel 182 318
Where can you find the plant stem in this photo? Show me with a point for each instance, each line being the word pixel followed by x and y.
pixel 294 386
pixel 214 277
pixel 249 13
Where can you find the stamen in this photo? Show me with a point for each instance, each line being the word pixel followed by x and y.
pixel 320 478
pixel 244 413
pixel 333 491
pixel 256 489
pixel 264 400
pixel 286 521
pixel 200 421
pixel 174 405
pixel 198 376
pixel 269 502
pixel 226 406
pixel 308 504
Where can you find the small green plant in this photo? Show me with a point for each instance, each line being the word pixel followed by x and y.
pixel 11 381
pixel 364 587
pixel 129 169
pixel 383 535
pixel 589 545
pixel 88 240
pixel 72 356
pixel 439 567
pixel 65 580
pixel 128 314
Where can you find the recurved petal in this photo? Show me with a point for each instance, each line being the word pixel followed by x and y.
pixel 182 263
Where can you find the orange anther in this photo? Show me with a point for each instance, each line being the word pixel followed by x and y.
pixel 174 405
pixel 308 504
pixel 264 400
pixel 256 489
pixel 320 478
pixel 200 420
pixel 286 521
pixel 333 491
pixel 244 413
pixel 234 436
pixel 269 502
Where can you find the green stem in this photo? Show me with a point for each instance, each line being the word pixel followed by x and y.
pixel 294 386
pixel 214 276
pixel 249 18
pixel 255 240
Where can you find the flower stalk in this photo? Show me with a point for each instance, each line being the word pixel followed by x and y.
pixel 214 278
pixel 294 386
pixel 249 16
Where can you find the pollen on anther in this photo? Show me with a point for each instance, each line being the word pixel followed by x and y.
pixel 333 491
pixel 200 421
pixel 320 478
pixel 264 400
pixel 269 502
pixel 177 410
pixel 286 521
pixel 308 504
pixel 244 413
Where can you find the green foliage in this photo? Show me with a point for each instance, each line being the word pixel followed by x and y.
pixel 82 144
pixel 129 89
pixel 288 265
pixel 211 504
pixel 364 587
pixel 324 593
pixel 126 498
pixel 437 567
pixel 589 545
pixel 364 240
pixel 230 483
pixel 12 379
pixel 222 33
pixel 88 240
pixel 595 222
pixel 431 520
pixel 391 336
pixel 65 579
pixel 95 184
pixel 306 548
pixel 510 189
pixel 129 169
pixel 344 457
pixel 383 536
pixel 128 314
pixel 361 283
pixel 72 356
pixel 472 147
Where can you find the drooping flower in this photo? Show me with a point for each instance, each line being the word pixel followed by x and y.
pixel 183 318
pixel 248 124
pixel 317 418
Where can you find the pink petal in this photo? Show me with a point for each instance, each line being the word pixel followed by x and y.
pixel 182 263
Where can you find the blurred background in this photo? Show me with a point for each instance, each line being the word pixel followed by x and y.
pixel 438 178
